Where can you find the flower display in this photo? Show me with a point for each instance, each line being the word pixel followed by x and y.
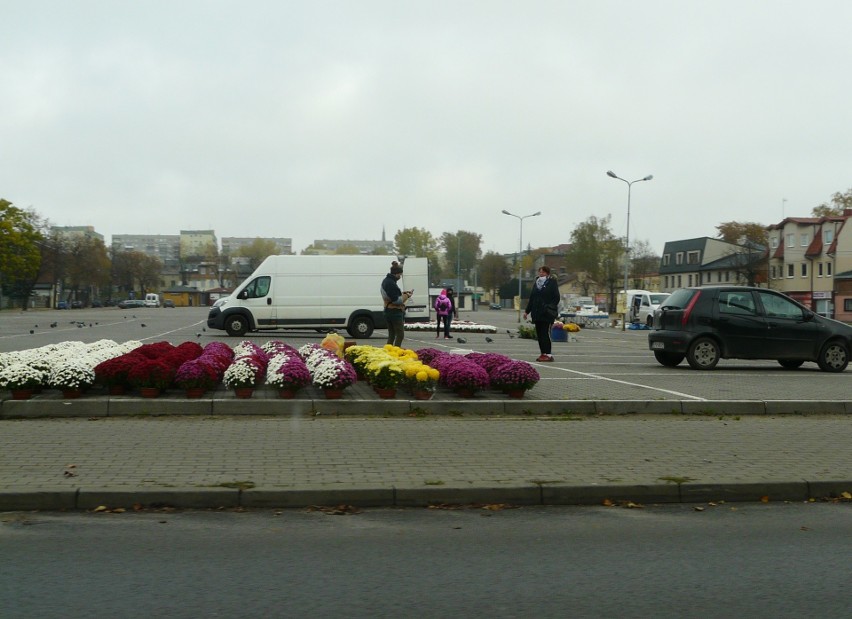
pixel 241 373
pixel 197 374
pixel 328 371
pixel 20 376
pixel 287 371
pixel 514 375
pixel 465 326
pixel 72 374
pixel 114 372
pixel 458 372
pixel 152 373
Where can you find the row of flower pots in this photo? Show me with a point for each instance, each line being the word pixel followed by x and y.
pixel 152 368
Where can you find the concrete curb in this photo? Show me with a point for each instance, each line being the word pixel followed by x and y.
pixel 104 406
pixel 533 494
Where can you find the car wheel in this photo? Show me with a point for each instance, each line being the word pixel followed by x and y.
pixel 236 325
pixel 361 326
pixel 703 354
pixel 668 359
pixel 790 364
pixel 834 357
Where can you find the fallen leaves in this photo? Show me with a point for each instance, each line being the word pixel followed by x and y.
pixel 336 510
pixel 625 504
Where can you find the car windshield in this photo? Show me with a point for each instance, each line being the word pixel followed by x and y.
pixel 679 299
pixel 658 298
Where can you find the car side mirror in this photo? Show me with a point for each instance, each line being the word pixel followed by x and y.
pixel 243 294
pixel 808 315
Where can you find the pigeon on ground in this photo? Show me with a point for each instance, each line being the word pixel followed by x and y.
pixel 79 325
pixel 204 328
pixel 511 337
pixel 488 339
pixel 53 325
pixel 36 326
pixel 31 331
pixel 461 340
pixel 134 315
pixel 197 335
pixel 142 324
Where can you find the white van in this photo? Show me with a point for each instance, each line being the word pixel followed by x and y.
pixel 641 305
pixel 152 300
pixel 320 293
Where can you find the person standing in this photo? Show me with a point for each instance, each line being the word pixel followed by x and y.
pixel 394 301
pixel 454 314
pixel 543 307
pixel 443 310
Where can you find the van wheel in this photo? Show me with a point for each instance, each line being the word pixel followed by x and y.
pixel 236 325
pixel 361 326
pixel 703 354
pixel 834 357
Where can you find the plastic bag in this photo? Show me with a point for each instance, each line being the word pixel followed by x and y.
pixel 333 342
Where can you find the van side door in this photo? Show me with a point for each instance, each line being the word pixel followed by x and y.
pixel 257 297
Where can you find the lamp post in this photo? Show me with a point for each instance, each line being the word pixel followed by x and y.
pixel 612 174
pixel 520 251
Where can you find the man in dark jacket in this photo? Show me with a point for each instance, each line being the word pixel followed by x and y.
pixel 543 306
pixel 394 301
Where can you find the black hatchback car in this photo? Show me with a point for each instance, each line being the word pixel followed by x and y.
pixel 710 323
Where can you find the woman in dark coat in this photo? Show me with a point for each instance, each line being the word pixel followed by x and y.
pixel 543 306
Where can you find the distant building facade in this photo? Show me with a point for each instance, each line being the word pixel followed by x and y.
pixel 165 247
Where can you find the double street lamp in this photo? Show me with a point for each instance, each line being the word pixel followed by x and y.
pixel 520 251
pixel 612 174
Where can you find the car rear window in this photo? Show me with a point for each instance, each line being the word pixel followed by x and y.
pixel 679 299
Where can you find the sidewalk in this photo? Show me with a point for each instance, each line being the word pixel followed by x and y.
pixel 298 459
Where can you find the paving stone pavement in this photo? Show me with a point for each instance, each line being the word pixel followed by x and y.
pixel 300 459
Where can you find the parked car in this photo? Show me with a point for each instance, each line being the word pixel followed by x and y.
pixel 76 305
pixel 62 305
pixel 97 303
pixel 131 303
pixel 703 325
pixel 496 306
pixel 168 303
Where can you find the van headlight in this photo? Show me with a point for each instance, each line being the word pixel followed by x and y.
pixel 220 302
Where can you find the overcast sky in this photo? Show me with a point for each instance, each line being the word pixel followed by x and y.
pixel 336 119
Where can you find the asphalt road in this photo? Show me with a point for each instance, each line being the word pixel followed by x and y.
pixel 777 560
pixel 602 364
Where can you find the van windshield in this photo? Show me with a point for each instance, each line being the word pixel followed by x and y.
pixel 657 298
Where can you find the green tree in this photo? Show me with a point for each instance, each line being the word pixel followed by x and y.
pixel 88 267
pixel 839 202
pixel 493 272
pixel 740 233
pixel 257 251
pixel 595 253
pixel 419 243
pixel 20 256
pixel 461 251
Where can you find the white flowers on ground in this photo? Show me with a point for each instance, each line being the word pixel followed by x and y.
pixel 56 365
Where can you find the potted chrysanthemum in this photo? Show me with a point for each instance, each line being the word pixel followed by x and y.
pixel 151 376
pixel 514 378
pixel 333 375
pixel 196 376
pixel 21 379
pixel 287 373
pixel 72 376
pixel 242 376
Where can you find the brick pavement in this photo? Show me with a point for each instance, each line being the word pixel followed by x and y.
pixel 299 459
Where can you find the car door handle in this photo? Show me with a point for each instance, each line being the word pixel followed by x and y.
pixel 269 300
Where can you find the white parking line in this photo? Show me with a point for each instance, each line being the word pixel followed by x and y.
pixel 589 376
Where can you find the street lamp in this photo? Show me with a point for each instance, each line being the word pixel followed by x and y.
pixel 612 174
pixel 520 251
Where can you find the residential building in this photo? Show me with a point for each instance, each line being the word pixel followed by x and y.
pixel 194 243
pixel 231 245
pixel 330 246
pixel 164 247
pixel 72 232
pixel 704 261
pixel 806 254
